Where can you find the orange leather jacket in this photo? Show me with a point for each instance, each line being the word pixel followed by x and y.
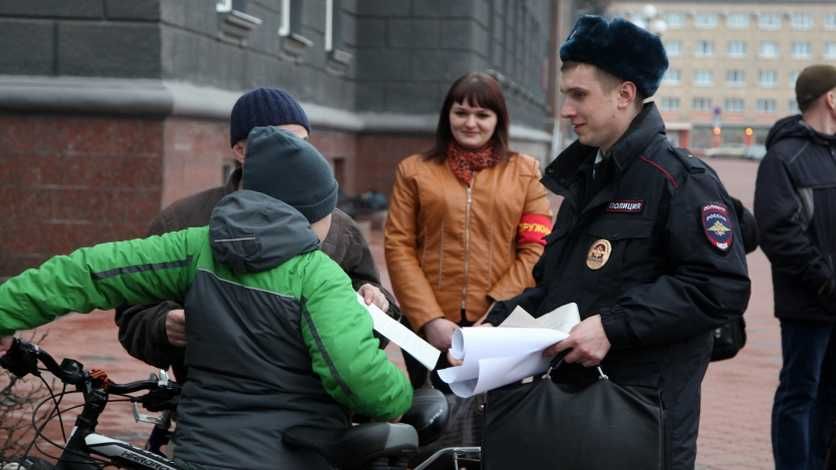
pixel 453 248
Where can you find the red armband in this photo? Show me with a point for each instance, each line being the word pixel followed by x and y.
pixel 533 229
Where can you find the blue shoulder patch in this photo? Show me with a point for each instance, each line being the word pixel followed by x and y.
pixel 717 226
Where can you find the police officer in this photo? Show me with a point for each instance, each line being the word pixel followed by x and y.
pixel 646 241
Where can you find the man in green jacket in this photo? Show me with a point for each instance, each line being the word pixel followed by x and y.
pixel 281 339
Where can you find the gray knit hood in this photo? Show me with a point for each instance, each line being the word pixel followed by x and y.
pixel 252 232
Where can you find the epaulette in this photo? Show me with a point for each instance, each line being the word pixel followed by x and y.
pixel 691 163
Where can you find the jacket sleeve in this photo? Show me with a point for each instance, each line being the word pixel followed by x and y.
pixel 705 287
pixel 142 329
pixel 101 277
pixel 401 246
pixel 518 277
pixel 355 258
pixel 781 221
pixel 344 353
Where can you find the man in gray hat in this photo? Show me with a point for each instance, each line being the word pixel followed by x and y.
pixel 795 205
pixel 156 333
pixel 646 241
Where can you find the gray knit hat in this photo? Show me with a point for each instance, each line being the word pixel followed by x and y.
pixel 291 170
pixel 813 82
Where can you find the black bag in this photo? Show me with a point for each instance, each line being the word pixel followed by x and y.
pixel 729 339
pixel 544 424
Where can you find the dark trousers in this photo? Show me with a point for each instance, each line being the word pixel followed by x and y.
pixel 803 411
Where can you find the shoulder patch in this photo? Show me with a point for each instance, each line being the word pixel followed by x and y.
pixel 717 226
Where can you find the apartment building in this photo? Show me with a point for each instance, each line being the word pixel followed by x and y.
pixel 733 64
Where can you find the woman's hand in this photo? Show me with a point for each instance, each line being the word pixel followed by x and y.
pixel 373 295
pixel 439 333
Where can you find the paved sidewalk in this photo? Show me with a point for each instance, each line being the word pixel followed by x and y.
pixel 737 394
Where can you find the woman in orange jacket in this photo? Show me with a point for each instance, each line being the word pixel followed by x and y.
pixel 467 219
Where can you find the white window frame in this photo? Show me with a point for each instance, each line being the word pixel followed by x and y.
pixel 329 25
pixel 733 24
pixel 701 51
pixel 830 21
pixel 793 76
pixel 766 105
pixel 726 106
pixel 762 74
pixel 672 77
pixel 705 20
pixel 801 21
pixel 704 73
pixel 703 100
pixel 829 50
pixel 762 50
pixel 666 103
pixel 792 106
pixel 736 77
pixel 673 51
pixel 797 53
pixel 769 25
pixel 678 23
pixel 284 25
pixel 736 54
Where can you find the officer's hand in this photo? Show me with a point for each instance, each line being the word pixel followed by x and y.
pixel 5 344
pixel 588 343
pixel 439 333
pixel 175 327
pixel 373 295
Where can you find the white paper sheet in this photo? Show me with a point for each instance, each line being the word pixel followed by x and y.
pixel 493 357
pixel 408 341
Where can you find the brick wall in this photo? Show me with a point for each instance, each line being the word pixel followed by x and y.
pixel 70 181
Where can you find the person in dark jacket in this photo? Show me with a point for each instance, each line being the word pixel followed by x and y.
pixel 795 205
pixel 646 241
pixel 156 333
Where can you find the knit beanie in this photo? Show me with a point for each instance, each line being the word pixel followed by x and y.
pixel 264 107
pixel 813 82
pixel 281 165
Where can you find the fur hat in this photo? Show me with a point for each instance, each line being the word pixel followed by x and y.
pixel 264 107
pixel 813 82
pixel 290 169
pixel 620 48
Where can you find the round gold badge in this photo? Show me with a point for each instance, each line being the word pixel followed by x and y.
pixel 598 255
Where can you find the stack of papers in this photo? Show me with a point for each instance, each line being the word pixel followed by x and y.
pixel 494 357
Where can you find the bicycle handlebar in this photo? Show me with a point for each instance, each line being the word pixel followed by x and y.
pixel 22 359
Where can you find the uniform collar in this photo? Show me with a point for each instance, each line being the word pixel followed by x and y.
pixel 562 173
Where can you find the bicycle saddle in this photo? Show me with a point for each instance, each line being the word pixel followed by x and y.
pixel 428 414
pixel 353 448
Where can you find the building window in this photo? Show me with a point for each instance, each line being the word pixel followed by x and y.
pixel 733 105
pixel 737 21
pixel 669 104
pixel 675 20
pixel 737 49
pixel 769 49
pixel 291 17
pixel 830 21
pixel 704 49
pixel 672 77
pixel 673 48
pixel 801 21
pixel 768 78
pixel 830 50
pixel 701 103
pixel 735 78
pixel 703 78
pixel 801 50
pixel 766 105
pixel 793 77
pixel 792 106
pixel 769 21
pixel 705 20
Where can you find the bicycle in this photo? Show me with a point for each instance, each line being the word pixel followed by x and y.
pixel 375 446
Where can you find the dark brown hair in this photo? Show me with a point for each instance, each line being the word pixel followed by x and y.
pixel 478 89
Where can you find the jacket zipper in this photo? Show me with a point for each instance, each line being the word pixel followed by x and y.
pixel 467 208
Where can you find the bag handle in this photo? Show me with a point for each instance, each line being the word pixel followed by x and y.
pixel 558 360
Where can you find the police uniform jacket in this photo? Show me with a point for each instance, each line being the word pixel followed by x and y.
pixel 656 251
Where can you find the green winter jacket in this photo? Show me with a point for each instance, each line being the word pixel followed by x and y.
pixel 276 336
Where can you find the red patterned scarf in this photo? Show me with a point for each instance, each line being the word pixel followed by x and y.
pixel 465 162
